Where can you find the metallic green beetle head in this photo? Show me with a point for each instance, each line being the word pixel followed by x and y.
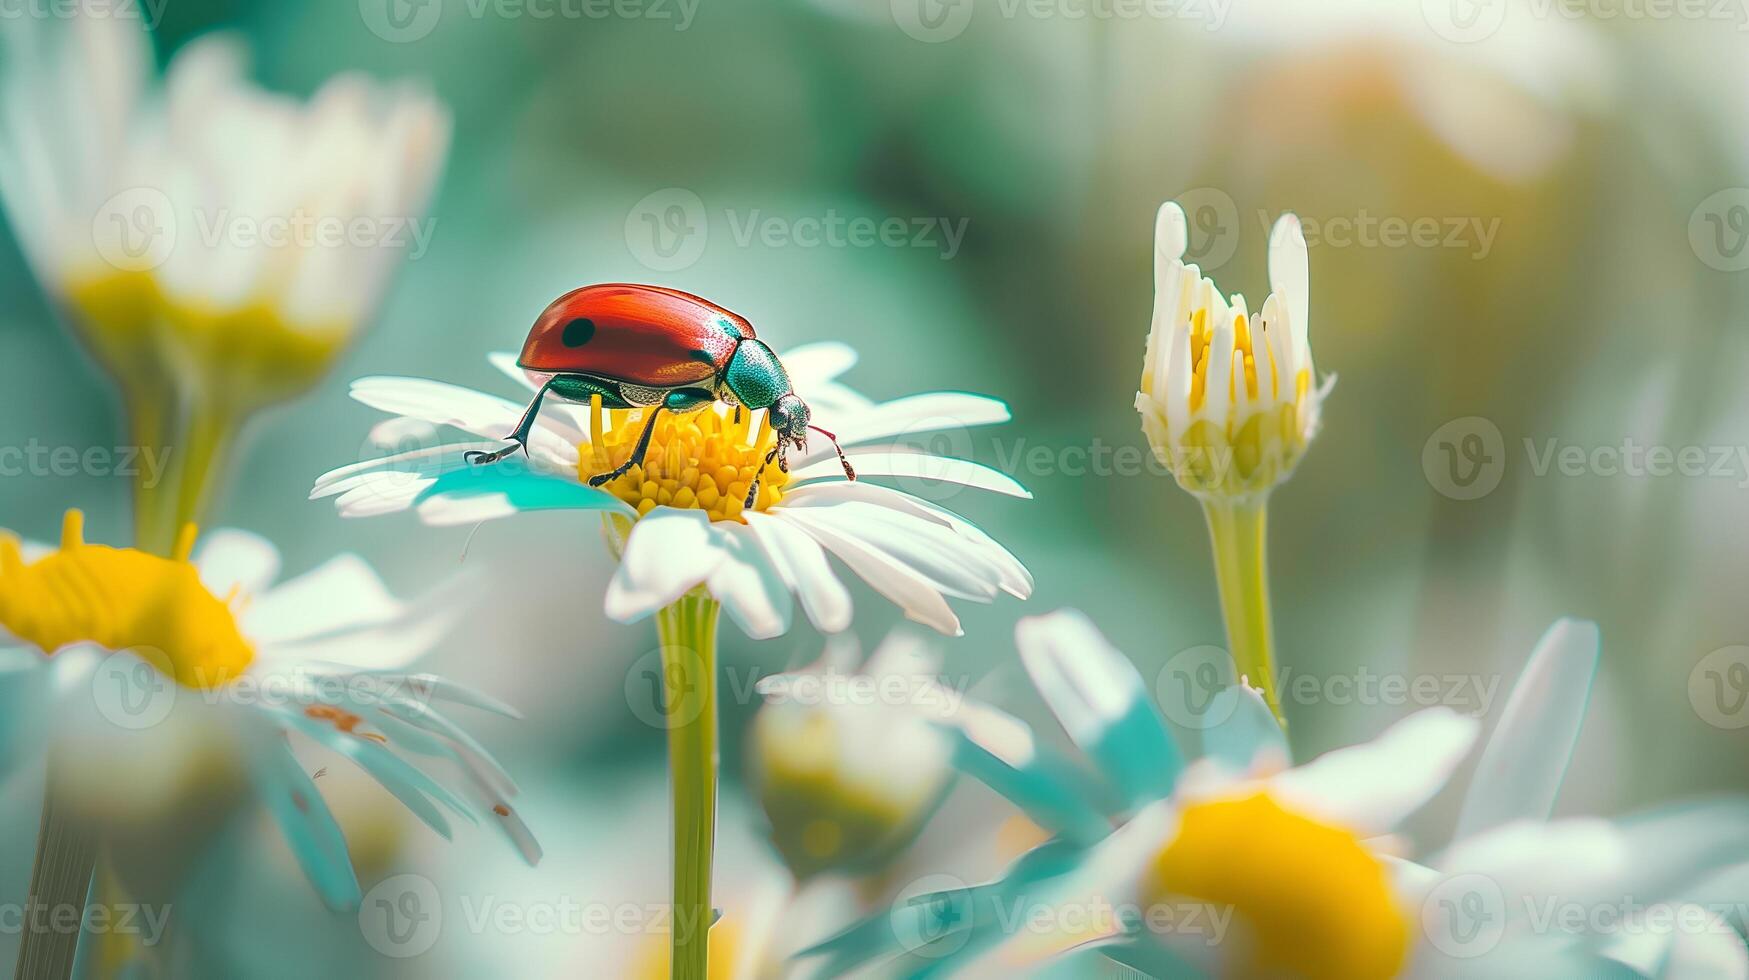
pixel 757 380
pixel 755 375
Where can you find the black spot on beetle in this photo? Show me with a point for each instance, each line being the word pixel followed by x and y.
pixel 578 332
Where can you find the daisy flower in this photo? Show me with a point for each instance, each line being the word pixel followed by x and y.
pixel 215 245
pixel 849 764
pixel 1229 402
pixel 145 677
pixel 678 523
pixel 1241 864
pixel 697 531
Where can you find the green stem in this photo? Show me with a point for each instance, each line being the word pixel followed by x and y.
pixel 1237 532
pixel 688 632
pixel 149 408
pixel 204 454
pixel 66 854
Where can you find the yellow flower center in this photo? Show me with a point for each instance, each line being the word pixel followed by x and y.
pixel 1245 452
pixel 250 353
pixel 704 460
pixel 122 599
pixel 1313 901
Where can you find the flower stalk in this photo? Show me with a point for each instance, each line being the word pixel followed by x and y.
pixel 66 856
pixel 687 630
pixel 1238 535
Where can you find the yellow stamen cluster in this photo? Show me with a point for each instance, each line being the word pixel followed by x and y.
pixel 122 599
pixel 704 460
pixel 1313 901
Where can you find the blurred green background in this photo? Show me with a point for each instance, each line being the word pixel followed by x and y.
pixel 1584 174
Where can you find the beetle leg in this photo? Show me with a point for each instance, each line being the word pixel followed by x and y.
pixel 635 458
pixel 753 488
pixel 518 438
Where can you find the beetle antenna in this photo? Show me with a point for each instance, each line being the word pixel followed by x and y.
pixel 753 488
pixel 849 471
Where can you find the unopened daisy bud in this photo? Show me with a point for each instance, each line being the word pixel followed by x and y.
pixel 848 766
pixel 1229 399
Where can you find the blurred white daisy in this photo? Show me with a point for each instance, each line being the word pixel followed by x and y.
pixel 214 244
pixel 1240 865
pixel 678 522
pixel 848 764
pixel 147 677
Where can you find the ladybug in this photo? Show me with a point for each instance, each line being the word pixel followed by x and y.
pixel 653 347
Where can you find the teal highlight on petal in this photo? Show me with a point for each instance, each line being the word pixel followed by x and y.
pixel 524 488
pixel 1246 729
pixel 1048 788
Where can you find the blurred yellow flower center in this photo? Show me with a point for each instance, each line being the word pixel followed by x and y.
pixel 704 460
pixel 1313 901
pixel 652 960
pixel 251 350
pixel 122 599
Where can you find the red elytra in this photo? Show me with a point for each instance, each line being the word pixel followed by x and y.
pixel 645 335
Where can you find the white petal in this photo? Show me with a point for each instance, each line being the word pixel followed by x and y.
pixel 342 593
pixel 1373 786
pixel 818 363
pixel 1171 237
pixel 1526 758
pixel 749 586
pixel 1085 680
pixel 474 412
pixel 391 646
pixel 669 551
pixel 230 559
pixel 1290 274
pixel 914 416
pixel 1572 860
pixel 1015 579
pixel 917 466
pixel 802 564
pixel 926 547
pixel 903 586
